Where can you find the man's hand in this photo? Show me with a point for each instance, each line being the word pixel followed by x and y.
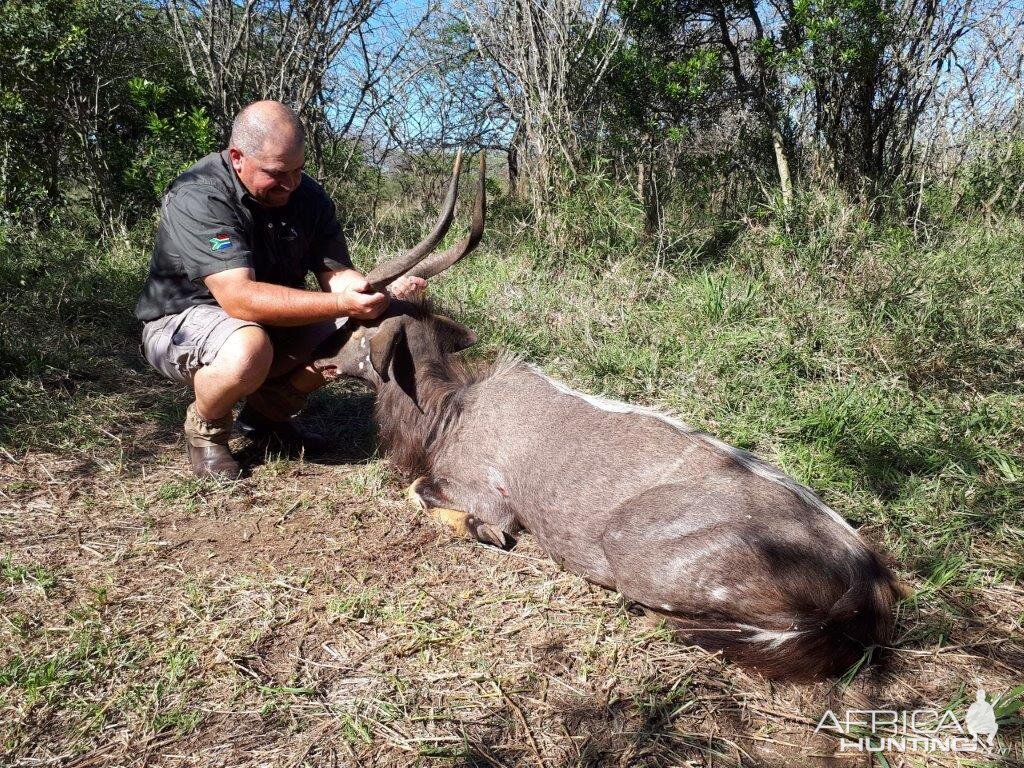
pixel 408 287
pixel 353 293
pixel 356 300
pixel 352 285
pixel 342 280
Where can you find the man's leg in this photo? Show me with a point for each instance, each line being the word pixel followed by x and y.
pixel 238 369
pixel 269 410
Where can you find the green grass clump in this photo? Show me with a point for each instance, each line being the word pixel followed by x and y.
pixel 19 575
pixel 70 370
pixel 879 364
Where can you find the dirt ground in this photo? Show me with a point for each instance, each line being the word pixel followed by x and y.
pixel 309 615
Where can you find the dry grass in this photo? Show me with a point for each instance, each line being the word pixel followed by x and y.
pixel 309 616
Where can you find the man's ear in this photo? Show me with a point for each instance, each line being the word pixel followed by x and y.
pixel 383 346
pixel 454 337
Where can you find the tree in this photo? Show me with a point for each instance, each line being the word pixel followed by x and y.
pixel 546 59
pixel 239 52
pixel 74 113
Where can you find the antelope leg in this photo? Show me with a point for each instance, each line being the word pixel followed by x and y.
pixel 453 518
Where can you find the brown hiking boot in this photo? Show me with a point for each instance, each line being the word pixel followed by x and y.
pixel 276 401
pixel 288 435
pixel 268 417
pixel 207 444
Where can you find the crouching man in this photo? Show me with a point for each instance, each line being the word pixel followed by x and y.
pixel 225 307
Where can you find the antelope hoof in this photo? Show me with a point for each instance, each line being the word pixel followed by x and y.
pixel 632 608
pixel 490 534
pixel 413 494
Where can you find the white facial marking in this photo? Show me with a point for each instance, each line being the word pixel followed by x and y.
pixel 361 365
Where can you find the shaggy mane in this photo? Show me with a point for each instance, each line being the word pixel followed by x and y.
pixel 412 435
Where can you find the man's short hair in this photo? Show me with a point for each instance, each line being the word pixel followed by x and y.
pixel 262 120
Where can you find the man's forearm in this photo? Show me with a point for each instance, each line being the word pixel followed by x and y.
pixel 279 305
pixel 335 281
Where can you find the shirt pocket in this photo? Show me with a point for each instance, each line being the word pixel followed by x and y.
pixel 295 244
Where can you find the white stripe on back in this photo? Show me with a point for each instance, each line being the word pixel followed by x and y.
pixel 745 459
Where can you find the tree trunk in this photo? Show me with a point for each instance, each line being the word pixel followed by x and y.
pixel 5 188
pixel 782 162
pixel 513 170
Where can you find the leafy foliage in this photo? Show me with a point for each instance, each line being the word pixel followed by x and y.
pixel 93 105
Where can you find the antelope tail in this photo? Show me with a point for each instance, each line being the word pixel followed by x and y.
pixel 807 638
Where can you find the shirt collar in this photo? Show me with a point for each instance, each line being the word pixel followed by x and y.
pixel 236 183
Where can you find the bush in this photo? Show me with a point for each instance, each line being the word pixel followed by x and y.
pixel 78 122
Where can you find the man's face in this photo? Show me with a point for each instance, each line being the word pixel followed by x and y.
pixel 273 173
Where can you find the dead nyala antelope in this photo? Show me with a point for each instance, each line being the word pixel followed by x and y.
pixel 734 553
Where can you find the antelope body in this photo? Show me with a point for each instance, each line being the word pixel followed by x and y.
pixel 734 553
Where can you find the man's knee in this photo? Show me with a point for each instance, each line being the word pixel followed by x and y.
pixel 246 356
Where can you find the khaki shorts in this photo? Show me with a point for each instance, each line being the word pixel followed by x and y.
pixel 179 345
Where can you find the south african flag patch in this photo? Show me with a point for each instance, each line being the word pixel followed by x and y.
pixel 220 242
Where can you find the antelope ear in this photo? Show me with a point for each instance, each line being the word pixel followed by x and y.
pixel 383 346
pixel 454 336
pixel 391 358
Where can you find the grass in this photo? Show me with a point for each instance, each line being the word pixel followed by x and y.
pixel 22 575
pixel 308 616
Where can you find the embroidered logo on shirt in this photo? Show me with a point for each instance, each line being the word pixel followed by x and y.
pixel 220 242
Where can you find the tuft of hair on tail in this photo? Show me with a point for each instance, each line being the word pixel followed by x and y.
pixel 806 641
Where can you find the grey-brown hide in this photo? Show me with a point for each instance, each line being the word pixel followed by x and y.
pixel 403 355
pixel 734 553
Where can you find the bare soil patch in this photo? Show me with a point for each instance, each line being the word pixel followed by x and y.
pixel 308 615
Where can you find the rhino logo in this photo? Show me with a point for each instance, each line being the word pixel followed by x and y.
pixel 981 718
